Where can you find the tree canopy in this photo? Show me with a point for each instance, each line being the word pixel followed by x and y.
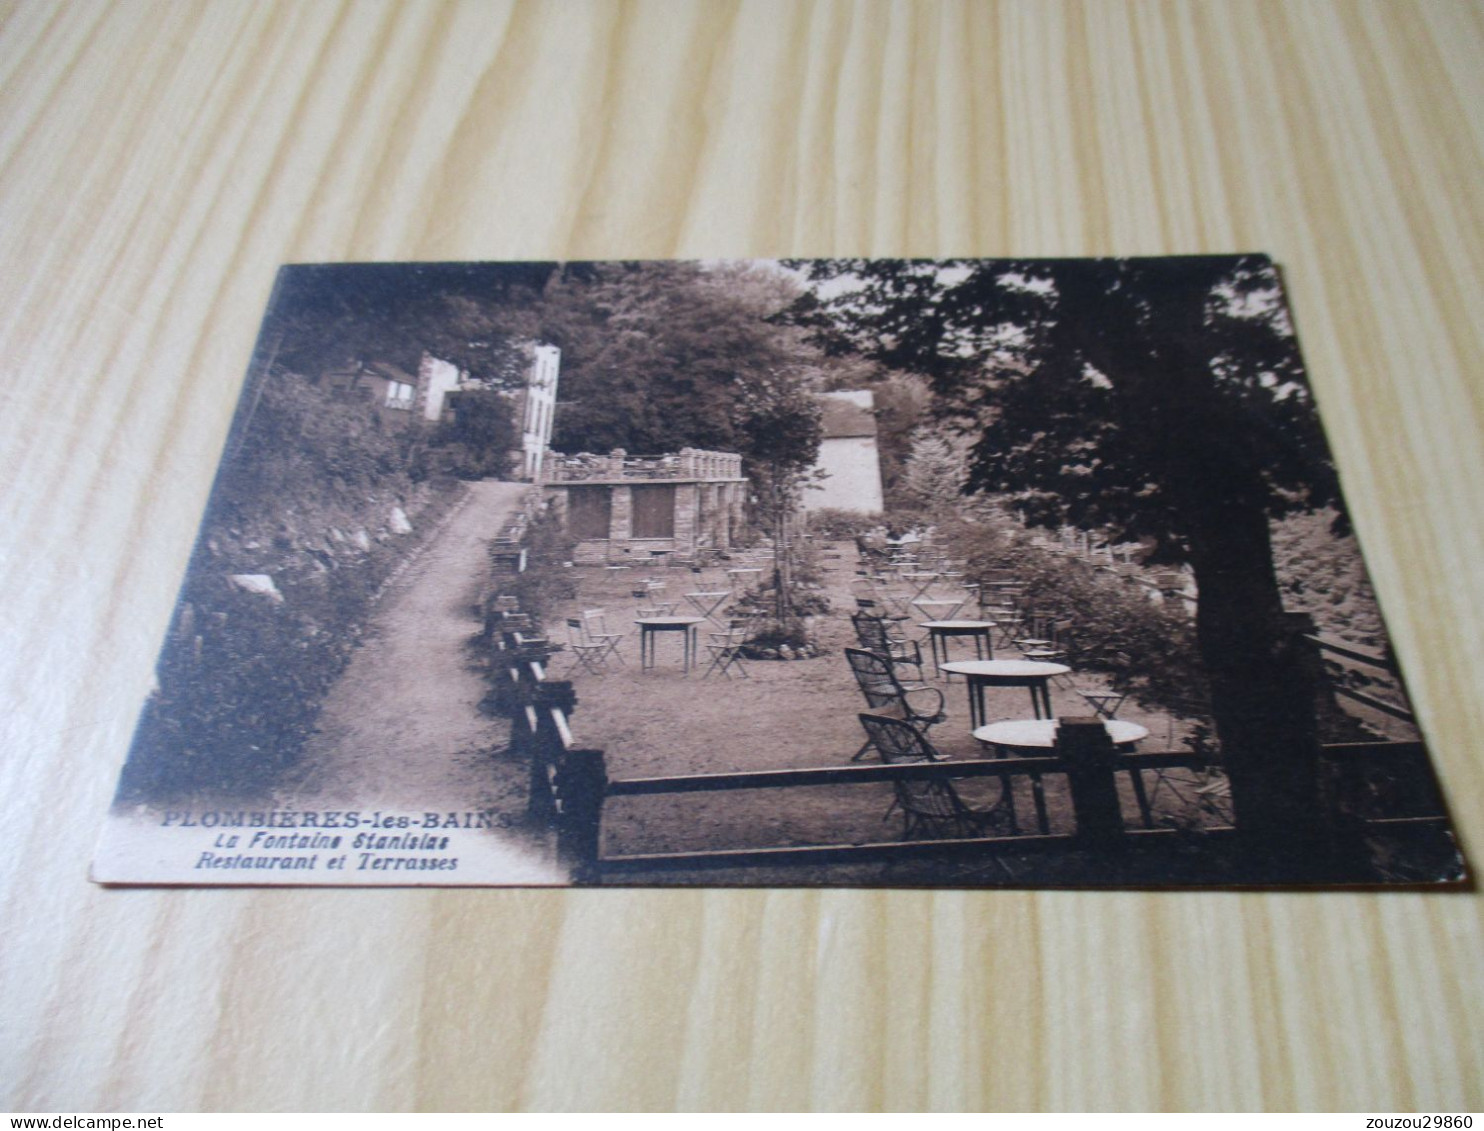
pixel 1152 397
pixel 660 355
pixel 1129 394
pixel 327 315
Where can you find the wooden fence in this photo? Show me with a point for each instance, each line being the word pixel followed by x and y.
pixel 1084 757
pixel 1343 658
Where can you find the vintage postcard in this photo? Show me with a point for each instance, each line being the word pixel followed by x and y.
pixel 848 572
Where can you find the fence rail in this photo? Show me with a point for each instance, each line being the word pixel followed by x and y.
pixel 1085 758
pixel 1350 656
pixel 860 775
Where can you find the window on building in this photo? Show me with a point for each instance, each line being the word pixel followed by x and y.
pixel 399 395
pixel 654 512
pixel 589 510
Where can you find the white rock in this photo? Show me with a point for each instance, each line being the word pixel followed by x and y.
pixel 259 583
pixel 362 540
pixel 398 522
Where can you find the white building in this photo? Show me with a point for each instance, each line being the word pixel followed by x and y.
pixel 436 378
pixel 848 455
pixel 536 408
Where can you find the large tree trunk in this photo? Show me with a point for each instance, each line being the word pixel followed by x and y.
pixel 1262 695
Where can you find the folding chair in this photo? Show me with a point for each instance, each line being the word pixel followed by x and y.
pixel 725 649
pixel 1105 703
pixel 595 624
pixel 586 654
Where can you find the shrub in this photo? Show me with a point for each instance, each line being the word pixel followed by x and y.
pixel 548 579
pixel 833 523
pixel 1120 628
pixel 305 495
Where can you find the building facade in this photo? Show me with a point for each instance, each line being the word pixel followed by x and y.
pixel 535 410
pixel 626 509
pixel 436 378
pixel 848 455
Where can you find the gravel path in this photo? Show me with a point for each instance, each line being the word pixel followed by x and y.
pixel 402 728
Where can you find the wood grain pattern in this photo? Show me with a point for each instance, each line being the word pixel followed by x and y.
pixel 158 161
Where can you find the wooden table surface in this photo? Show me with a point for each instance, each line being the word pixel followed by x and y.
pixel 157 162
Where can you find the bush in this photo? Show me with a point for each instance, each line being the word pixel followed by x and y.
pixel 1147 646
pixel 1322 574
pixel 305 495
pixel 548 579
pixel 833 523
pixel 1119 627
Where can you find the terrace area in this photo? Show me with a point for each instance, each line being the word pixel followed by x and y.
pixel 759 715
pixel 698 735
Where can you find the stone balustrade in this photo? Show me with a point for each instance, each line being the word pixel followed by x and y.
pixel 688 464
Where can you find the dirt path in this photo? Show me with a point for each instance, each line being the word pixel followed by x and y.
pixel 402 728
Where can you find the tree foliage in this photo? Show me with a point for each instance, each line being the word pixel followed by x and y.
pixel 1127 394
pixel 935 474
pixel 476 436
pixel 661 356
pixel 329 315
pixel 1159 398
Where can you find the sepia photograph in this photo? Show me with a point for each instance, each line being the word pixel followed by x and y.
pixel 897 573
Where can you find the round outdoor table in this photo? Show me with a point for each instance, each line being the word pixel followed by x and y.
pixel 940 630
pixel 1037 736
pixel 1031 736
pixel 648 626
pixel 1030 674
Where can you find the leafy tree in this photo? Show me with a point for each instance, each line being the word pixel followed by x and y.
pixel 334 314
pixel 1160 398
pixel 660 356
pixel 935 474
pixel 781 425
pixel 476 437
pixel 903 405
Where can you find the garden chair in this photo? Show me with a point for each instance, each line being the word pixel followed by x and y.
pixel 1007 618
pixel 931 808
pixel 938 608
pixel 725 649
pixel 1049 640
pixel 1104 701
pixel 586 654
pixel 594 621
pixel 876 676
pixel 874 608
pixel 875 636
pixel 649 604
